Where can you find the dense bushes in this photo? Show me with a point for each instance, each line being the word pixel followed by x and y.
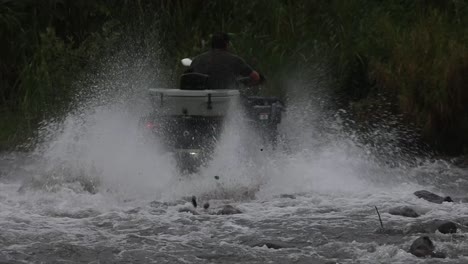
pixel 414 52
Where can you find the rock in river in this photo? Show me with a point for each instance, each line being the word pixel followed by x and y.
pixel 432 197
pixel 423 247
pixel 229 210
pixel 447 228
pixel 403 211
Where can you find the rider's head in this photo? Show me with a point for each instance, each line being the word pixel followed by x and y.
pixel 219 40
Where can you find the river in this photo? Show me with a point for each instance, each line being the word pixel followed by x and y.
pixel 93 192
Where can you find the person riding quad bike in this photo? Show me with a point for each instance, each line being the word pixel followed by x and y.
pixel 225 70
pixel 223 67
pixel 189 120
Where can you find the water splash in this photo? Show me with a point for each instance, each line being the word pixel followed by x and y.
pixel 100 141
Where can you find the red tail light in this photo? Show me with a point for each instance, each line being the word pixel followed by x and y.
pixel 150 125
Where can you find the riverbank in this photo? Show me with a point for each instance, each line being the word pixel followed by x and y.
pixel 413 52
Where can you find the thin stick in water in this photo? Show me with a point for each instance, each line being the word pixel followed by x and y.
pixel 194 201
pixel 380 219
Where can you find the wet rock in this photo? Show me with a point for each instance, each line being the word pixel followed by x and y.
pixel 289 196
pixel 447 228
pixel 229 210
pixel 432 197
pixel 403 211
pixel 188 210
pixel 422 247
pixel 206 205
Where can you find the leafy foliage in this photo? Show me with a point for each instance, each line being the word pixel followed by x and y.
pixel 415 52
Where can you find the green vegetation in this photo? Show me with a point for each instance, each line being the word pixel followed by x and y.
pixel 413 52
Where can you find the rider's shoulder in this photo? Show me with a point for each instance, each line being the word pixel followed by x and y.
pixel 233 56
pixel 227 55
pixel 204 54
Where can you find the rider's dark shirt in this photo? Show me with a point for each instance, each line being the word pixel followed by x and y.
pixel 222 66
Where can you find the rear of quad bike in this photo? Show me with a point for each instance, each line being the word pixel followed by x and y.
pixel 264 115
pixel 192 140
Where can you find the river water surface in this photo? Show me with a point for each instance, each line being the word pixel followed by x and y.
pixel 94 192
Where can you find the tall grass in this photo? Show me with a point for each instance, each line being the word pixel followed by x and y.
pixel 415 52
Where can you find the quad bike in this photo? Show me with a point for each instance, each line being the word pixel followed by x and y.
pixel 189 120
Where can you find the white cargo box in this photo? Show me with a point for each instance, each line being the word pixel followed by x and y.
pixel 193 102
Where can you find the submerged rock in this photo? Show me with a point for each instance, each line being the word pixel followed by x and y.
pixel 403 211
pixel 423 247
pixel 432 197
pixel 229 210
pixel 447 228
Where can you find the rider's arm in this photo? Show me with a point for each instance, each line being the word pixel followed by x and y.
pixel 243 69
